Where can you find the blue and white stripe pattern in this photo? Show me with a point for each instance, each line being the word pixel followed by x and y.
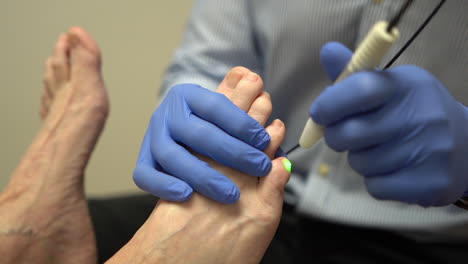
pixel 281 40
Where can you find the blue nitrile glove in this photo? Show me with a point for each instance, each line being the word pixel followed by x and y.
pixel 404 132
pixel 207 123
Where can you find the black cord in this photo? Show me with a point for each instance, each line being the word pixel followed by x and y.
pixel 394 21
pixel 420 29
pixel 407 44
pixel 292 149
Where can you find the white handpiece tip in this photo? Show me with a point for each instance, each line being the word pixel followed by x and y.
pixel 367 57
pixel 311 134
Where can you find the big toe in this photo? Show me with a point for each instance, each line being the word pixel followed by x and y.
pixel 85 39
pixel 231 80
pixel 247 90
pixel 241 86
pixel 85 53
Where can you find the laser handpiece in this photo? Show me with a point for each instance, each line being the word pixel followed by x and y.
pixel 367 57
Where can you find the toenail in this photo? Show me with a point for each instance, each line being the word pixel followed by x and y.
pixel 277 123
pixel 287 164
pixel 235 75
pixel 253 77
pixel 73 39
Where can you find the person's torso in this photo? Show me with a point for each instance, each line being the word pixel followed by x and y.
pixel 289 35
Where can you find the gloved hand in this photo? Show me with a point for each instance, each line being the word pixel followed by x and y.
pixel 207 123
pixel 404 132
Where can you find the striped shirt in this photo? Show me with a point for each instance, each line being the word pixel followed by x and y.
pixel 281 40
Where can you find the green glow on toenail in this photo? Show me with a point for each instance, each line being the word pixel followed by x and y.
pixel 287 165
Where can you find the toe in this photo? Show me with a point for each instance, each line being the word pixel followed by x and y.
pixel 247 90
pixel 45 103
pixel 272 186
pixel 49 80
pixel 231 80
pixel 261 108
pixel 85 39
pixel 59 60
pixel 85 57
pixel 277 132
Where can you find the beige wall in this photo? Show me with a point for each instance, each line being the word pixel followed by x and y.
pixel 137 39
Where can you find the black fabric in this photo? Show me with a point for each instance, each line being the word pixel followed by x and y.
pixel 298 239
pixel 116 219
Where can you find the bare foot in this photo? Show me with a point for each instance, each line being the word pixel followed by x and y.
pixel 204 231
pixel 43 212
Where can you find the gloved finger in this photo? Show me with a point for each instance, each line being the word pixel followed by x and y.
pixel 148 178
pixel 383 159
pixel 144 156
pixel 196 173
pixel 416 185
pixel 334 57
pixel 216 108
pixel 362 131
pixel 207 139
pixel 161 184
pixel 359 93
pixel 397 154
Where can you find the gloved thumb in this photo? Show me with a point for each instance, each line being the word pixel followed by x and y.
pixel 334 57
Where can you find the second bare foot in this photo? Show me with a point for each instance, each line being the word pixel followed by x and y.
pixel 44 214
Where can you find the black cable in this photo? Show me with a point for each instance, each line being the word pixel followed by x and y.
pixel 395 20
pixel 292 149
pixel 420 29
